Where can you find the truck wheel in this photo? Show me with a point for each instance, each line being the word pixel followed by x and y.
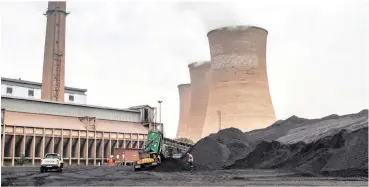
pixel 136 169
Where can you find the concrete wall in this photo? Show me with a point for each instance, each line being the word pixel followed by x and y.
pixel 184 129
pixel 78 98
pixel 239 93
pixel 66 109
pixel 19 91
pixel 200 77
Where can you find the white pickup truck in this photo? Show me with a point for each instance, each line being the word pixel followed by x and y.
pixel 52 161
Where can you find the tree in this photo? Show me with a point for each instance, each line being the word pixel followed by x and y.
pixel 185 140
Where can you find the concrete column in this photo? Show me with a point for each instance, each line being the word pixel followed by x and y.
pixel 130 138
pixel 43 144
pixel 70 147
pixel 79 148
pixel 102 147
pixel 117 144
pixel 138 141
pixel 23 143
pixel 124 142
pixel 61 144
pixel 109 144
pixel 33 146
pixel 86 148
pixel 3 143
pixel 13 147
pixel 52 143
pixel 94 147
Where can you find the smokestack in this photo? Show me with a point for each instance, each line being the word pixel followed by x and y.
pixel 239 93
pixel 54 55
pixel 184 110
pixel 200 77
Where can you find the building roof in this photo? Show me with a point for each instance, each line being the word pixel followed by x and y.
pixel 39 84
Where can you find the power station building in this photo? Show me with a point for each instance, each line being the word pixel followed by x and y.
pixel 83 134
pixel 48 117
pixel 239 92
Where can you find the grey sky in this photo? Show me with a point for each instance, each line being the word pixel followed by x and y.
pixel 132 53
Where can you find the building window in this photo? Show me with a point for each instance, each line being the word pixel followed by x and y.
pixel 30 93
pixel 71 97
pixel 9 90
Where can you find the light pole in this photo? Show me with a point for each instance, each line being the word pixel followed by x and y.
pixel 162 129
pixel 160 110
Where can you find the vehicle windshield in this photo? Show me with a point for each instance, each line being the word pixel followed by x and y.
pixel 51 156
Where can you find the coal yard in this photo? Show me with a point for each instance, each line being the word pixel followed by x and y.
pixel 123 176
pixel 287 153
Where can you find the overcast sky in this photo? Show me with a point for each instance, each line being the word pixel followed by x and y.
pixel 132 53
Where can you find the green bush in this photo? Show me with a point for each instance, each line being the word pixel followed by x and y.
pixel 22 161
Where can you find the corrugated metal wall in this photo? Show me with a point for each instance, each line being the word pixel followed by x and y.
pixel 39 107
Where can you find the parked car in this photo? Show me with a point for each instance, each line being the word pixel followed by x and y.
pixel 52 161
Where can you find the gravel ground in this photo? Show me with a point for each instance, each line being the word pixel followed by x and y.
pixel 124 176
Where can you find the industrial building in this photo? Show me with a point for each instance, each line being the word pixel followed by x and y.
pixel 83 134
pixel 48 117
pixel 239 92
pixel 200 77
pixel 184 130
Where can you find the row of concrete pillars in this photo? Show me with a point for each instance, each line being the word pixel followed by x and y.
pixel 75 151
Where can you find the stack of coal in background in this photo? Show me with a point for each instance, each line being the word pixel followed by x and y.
pixel 330 146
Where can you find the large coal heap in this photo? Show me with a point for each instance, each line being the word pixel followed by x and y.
pixel 216 151
pixel 333 146
pixel 341 154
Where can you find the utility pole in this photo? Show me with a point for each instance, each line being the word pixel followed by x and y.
pixel 160 116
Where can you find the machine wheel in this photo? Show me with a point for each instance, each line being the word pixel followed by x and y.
pixel 136 169
pixel 42 169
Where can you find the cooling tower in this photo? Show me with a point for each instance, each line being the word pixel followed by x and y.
pixel 239 93
pixel 200 77
pixel 184 110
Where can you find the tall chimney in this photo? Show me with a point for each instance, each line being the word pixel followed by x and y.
pixel 200 77
pixel 239 92
pixel 183 130
pixel 54 55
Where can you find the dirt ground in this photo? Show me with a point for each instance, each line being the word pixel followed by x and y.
pixel 124 176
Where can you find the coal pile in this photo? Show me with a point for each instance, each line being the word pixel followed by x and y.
pixel 332 146
pixel 170 165
pixel 296 129
pixel 343 154
pixel 216 151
